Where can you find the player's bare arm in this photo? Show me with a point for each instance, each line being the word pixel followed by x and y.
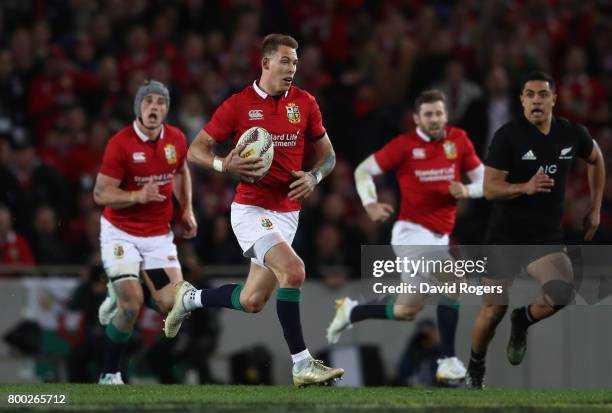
pixel 107 193
pixel 497 188
pixel 201 153
pixel 366 188
pixel 472 190
pixel 597 178
pixel 182 191
pixel 305 182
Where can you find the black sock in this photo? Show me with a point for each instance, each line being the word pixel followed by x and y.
pixel 227 296
pixel 377 309
pixel 114 346
pixel 113 353
pixel 448 317
pixel 477 359
pixel 366 311
pixel 523 318
pixel 288 310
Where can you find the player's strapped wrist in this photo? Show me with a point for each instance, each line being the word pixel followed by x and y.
pixel 218 164
pixel 317 175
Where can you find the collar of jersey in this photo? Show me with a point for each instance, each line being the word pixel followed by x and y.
pixel 424 136
pixel 260 91
pixel 144 137
pixel 553 124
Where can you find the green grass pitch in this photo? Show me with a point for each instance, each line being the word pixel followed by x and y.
pixel 263 399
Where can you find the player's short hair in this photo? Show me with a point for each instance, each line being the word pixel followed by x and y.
pixel 273 41
pixel 429 96
pixel 538 75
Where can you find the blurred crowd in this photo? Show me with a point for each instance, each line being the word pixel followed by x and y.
pixel 69 70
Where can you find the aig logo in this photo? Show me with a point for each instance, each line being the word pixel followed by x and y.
pixel 550 169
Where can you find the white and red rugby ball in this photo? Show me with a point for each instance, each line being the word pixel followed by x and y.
pixel 258 142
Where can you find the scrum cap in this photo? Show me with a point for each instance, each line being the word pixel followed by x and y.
pixel 148 87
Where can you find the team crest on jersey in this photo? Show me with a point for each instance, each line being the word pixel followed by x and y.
pixel 566 153
pixel 450 150
pixel 170 152
pixel 266 223
pixel 293 113
pixel 118 251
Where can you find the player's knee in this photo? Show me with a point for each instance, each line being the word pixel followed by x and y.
pixel 294 273
pixel 558 293
pixel 130 305
pixel 494 313
pixel 253 303
pixel 405 312
pixel 130 311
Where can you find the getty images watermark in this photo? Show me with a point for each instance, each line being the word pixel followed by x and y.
pixel 501 273
pixel 430 276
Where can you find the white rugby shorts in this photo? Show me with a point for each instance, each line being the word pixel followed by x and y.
pixel 258 229
pixel 416 242
pixel 119 247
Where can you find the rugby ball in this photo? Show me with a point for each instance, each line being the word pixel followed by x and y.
pixel 258 142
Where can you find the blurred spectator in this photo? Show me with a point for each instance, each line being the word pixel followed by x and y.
pixel 59 85
pixel 137 56
pixel 581 96
pixel 23 56
pixel 14 248
pixel 108 89
pixel 56 152
pixel 191 115
pixel 13 109
pixel 460 92
pixel 28 182
pixel 489 112
pixel 85 246
pixel 418 364
pixel 101 32
pixel 216 244
pixel 47 243
pixel 311 76
pixel 85 358
pixel 191 60
pixel 84 52
pixel 329 253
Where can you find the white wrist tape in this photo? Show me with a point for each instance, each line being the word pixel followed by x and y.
pixel 218 164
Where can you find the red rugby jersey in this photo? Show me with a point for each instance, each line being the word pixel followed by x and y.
pixel 423 170
pixel 289 119
pixel 135 160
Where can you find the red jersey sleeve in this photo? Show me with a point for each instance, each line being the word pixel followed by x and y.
pixel 113 162
pixel 390 155
pixel 184 149
pixel 470 159
pixel 223 122
pixel 314 126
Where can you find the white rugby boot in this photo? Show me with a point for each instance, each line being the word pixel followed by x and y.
pixel 450 371
pixel 342 320
pixel 315 373
pixel 174 319
pixel 111 378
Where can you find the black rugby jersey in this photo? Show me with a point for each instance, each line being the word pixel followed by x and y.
pixel 521 149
